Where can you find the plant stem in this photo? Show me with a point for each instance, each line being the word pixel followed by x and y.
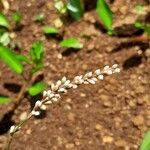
pixel 11 135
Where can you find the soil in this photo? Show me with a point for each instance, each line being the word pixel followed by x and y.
pixel 113 114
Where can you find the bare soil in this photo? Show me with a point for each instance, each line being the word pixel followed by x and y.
pixel 113 114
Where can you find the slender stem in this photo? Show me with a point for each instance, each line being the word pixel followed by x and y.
pixel 17 127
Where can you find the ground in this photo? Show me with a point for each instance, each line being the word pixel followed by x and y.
pixel 114 114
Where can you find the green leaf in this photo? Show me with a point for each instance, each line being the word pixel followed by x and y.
pixel 75 8
pixel 37 51
pixel 36 88
pixel 71 43
pixel 4 21
pixel 37 68
pixel 146 142
pixel 5 39
pixel 23 58
pixel 147 29
pixel 9 57
pixel 17 17
pixel 4 100
pixel 105 14
pixel 50 30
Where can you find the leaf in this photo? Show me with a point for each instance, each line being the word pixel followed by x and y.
pixel 37 68
pixel 5 39
pixel 146 142
pixel 36 88
pixel 17 17
pixel 71 43
pixel 50 30
pixel 37 51
pixel 4 100
pixel 23 58
pixel 75 8
pixel 105 14
pixel 10 59
pixel 4 21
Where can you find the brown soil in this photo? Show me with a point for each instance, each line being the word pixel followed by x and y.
pixel 111 115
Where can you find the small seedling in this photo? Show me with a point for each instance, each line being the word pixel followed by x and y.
pixel 71 43
pixel 75 8
pixel 146 142
pixel 50 30
pixel 17 17
pixel 16 63
pixel 143 26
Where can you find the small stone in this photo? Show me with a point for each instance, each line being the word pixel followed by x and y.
pixel 98 127
pixel 71 116
pixel 90 47
pixel 104 97
pixel 82 94
pixel 23 116
pixel 107 104
pixel 147 53
pixel 67 107
pixel 69 145
pixel 58 23
pixel 108 139
pixel 120 143
pixel 109 49
pixel 138 120
pixel 12 35
pixel 28 131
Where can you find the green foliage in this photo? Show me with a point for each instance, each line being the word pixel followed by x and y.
pixel 36 53
pixel 9 57
pixel 3 21
pixel 23 58
pixel 50 30
pixel 143 26
pixel 71 43
pixel 39 18
pixel 4 100
pixel 17 17
pixel 105 14
pixel 139 8
pixel 146 142
pixel 5 38
pixel 36 88
pixel 75 8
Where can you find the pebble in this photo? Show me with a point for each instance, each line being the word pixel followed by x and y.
pixel 120 143
pixel 147 53
pixel 69 145
pixel 23 116
pixel 71 116
pixel 98 127
pixel 108 139
pixel 90 47
pixel 138 120
pixel 58 23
